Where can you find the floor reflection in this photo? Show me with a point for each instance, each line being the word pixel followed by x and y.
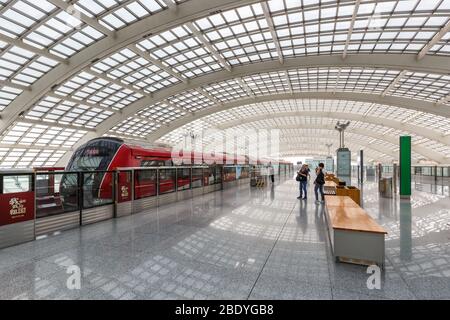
pixel 405 230
pixel 259 243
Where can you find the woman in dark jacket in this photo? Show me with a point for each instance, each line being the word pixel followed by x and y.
pixel 319 182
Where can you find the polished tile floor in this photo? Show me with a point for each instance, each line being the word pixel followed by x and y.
pixel 237 244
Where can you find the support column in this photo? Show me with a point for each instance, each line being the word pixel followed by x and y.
pixel 405 167
pixel 394 177
pixel 361 165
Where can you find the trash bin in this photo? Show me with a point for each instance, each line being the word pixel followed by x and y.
pixel 385 187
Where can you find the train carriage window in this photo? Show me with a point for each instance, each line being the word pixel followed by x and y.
pixel 153 163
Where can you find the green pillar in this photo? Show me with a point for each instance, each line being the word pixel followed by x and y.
pixel 405 166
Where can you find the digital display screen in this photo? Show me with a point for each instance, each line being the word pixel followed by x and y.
pixel 92 152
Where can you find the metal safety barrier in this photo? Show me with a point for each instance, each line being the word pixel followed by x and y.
pixel 33 204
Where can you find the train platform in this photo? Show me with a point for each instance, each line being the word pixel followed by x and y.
pixel 239 243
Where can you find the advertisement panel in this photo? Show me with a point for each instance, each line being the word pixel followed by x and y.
pixel 124 187
pixel 16 207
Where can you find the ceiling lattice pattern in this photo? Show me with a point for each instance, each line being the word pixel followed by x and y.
pixel 186 76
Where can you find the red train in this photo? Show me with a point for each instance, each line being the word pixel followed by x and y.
pixel 108 154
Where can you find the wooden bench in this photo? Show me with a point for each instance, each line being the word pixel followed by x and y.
pixel 349 191
pixel 354 235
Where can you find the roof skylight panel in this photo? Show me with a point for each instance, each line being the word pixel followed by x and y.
pixel 118 14
pixel 191 100
pixel 430 87
pixel 180 50
pixel 395 26
pixel 227 90
pixel 32 134
pixel 7 95
pixel 135 70
pixel 52 29
pixel 438 123
pixel 240 35
pixel 161 113
pixel 267 83
pixel 85 86
pixel 55 110
pixel 22 15
pixel 135 127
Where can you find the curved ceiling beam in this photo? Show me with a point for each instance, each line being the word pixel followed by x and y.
pixel 390 61
pixel 435 64
pixel 331 132
pixel 427 153
pixel 362 137
pixel 360 144
pixel 317 153
pixel 302 152
pixel 403 126
pixel 348 96
pixel 153 24
pixel 362 97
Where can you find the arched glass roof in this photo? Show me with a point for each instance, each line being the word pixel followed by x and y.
pixel 151 70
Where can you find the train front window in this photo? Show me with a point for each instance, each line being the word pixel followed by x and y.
pixel 87 163
pixel 94 156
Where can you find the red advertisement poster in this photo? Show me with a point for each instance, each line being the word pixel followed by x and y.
pixel 124 192
pixel 16 207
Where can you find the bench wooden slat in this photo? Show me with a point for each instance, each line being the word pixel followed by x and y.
pixel 345 214
pixel 340 201
pixel 330 184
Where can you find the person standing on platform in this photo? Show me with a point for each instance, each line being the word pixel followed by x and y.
pixel 271 173
pixel 309 173
pixel 319 182
pixel 302 174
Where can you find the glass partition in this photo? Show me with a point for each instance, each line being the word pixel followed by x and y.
pixel 217 174
pixel 184 178
pixel 56 193
pixel 144 183
pixel 197 177
pixel 208 176
pixel 17 183
pixel 426 171
pixel 98 188
pixel 167 180
pixel 245 172
pixel 229 174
